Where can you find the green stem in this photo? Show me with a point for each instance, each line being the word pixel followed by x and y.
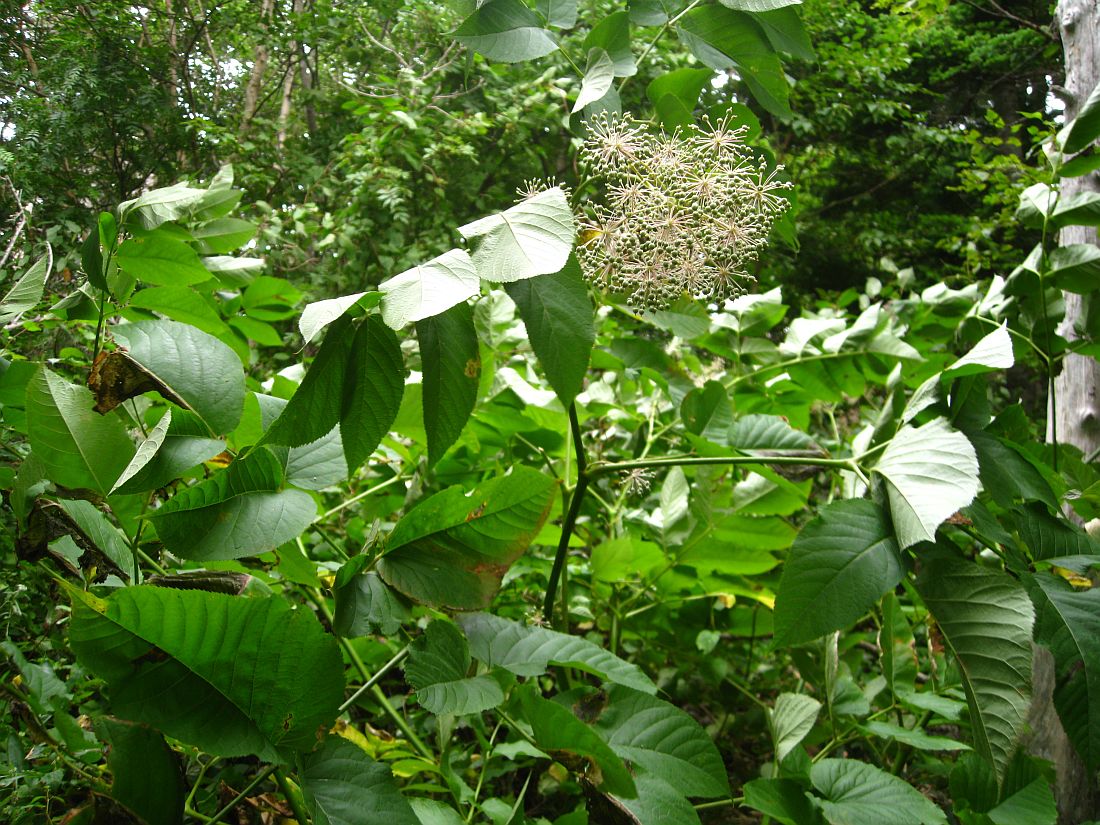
pixel 99 327
pixel 607 467
pixel 668 24
pixel 293 795
pixel 482 772
pixel 360 496
pixel 375 679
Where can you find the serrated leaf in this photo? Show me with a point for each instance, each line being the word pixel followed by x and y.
pixel 365 604
pixel 26 292
pixel 344 786
pixel 856 793
pixel 235 513
pixel 176 444
pixel 770 435
pixel 528 651
pixel 534 237
pixel 931 472
pixel 146 774
pixel 452 366
pixel 986 619
pixel 78 447
pixel 664 740
pixel 505 30
pixel 758 5
pixel 436 668
pixel 429 289
pixel 232 676
pixel 791 721
pixel 838 567
pixel 453 549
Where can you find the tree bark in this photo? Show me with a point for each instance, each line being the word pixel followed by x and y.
pixel 1074 416
pixel 260 58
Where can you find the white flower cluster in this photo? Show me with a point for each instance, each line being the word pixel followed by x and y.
pixel 684 212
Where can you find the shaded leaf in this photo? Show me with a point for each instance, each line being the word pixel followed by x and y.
pixel 612 35
pixel 451 364
pixel 344 786
pixel 791 721
pixel 599 74
pixel 857 793
pixel 147 777
pixel 505 30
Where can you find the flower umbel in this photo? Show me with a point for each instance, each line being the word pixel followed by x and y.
pixel 683 213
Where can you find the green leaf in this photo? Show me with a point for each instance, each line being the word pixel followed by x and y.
pixel 914 738
pixel 781 799
pixel 664 740
pixel 1084 128
pixel 898 646
pixel 452 549
pixel 707 412
pixel 561 14
pixel 529 651
pixel 157 206
pixel 838 567
pixel 147 777
pixel 723 39
pixel 319 314
pixel 190 368
pixel 232 676
pixel 27 291
pixel 612 34
pixel 931 472
pixel 235 513
pixel 992 353
pixel 506 30
pixel 1031 805
pixel 1078 209
pixel 175 445
pixel 534 237
pixel 758 5
pixel 986 621
pixel 452 366
pixel 791 721
pixel 599 74
pixel 857 793
pixel 674 95
pixel 1067 621
pixel 770 435
pixel 437 667
pixel 158 258
pixel 573 743
pixel 270 299
pixel 784 30
pixel 344 786
pixel 657 801
pixel 105 536
pixel 1080 165
pixel 428 289
pixel 181 303
pixel 1006 473
pixel 559 318
pixel 1076 268
pixel 223 235
pixel 78 447
pixel 365 604
pixel 318 464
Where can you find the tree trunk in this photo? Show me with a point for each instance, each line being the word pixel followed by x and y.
pixel 260 58
pixel 1075 413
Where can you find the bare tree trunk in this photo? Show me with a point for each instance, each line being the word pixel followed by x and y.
pixel 260 59
pixel 173 53
pixel 1075 412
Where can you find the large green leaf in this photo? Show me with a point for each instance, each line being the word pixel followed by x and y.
pixel 664 740
pixel 1084 128
pixel 429 289
pixel 657 802
pixel 534 237
pixel 223 235
pixel 437 667
pixel 176 444
pixel 573 743
pixel 232 676
pixel 707 412
pixel 189 367
pixel 791 721
pixel 723 38
pixel 25 293
pixel 783 28
pixel 78 447
pixel 529 651
pixel 506 30
pixel 612 35
pixel 931 472
pixel 770 435
pixel 991 353
pixel 451 364
pixel 1076 268
pixel 160 259
pixel 674 95
pixel 558 315
pixel 561 14
pixel 838 567
pixel 147 777
pixel 365 604
pixel 237 512
pixel 344 786
pixel 856 793
pixel 453 549
pixel 986 620
pixel 319 314
pixel 152 208
pixel 1068 622
pixel 95 527
pixel 599 74
pixel 781 799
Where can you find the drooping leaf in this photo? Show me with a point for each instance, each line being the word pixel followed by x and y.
pixel 674 95
pixel 784 30
pixel 528 651
pixel 77 446
pixel 985 618
pixel 839 566
pixel 182 363
pixel 235 513
pixel 429 289
pixel 781 799
pixel 319 314
pixel 599 74
pixel 790 721
pixel 993 352
pixel 365 604
pixel 931 472
pixel 857 793
pixel 232 676
pixel 664 740
pixel 147 777
pixel 559 319
pixel 898 646
pixel 534 237
pixel 612 35
pixel 451 364
pixel 95 527
pixel 1067 621
pixel 175 445
pixel 506 30
pixel 437 666
pixel 344 786
pixel 26 292
pixel 160 259
pixel 1076 267
pixel 573 743
pixel 453 549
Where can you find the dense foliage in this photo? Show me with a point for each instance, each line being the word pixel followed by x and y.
pixel 470 536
